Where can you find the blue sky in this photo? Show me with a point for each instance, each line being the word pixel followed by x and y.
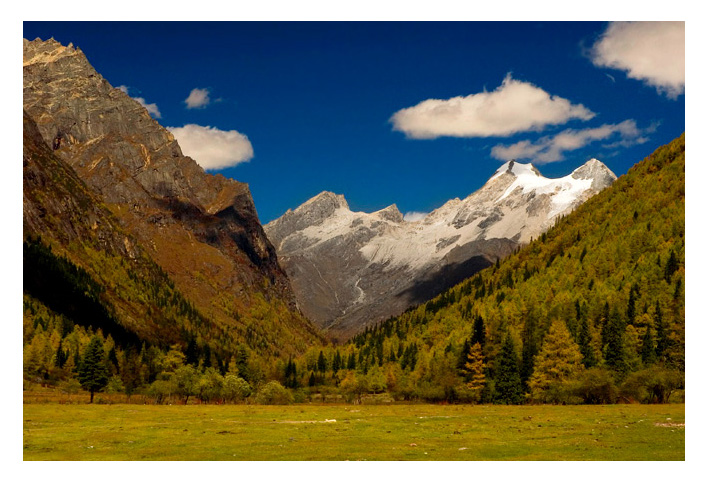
pixel 412 113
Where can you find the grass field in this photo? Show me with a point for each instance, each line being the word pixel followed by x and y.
pixel 348 432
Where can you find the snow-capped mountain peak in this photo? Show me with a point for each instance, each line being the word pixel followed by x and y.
pixel 352 268
pixel 517 169
pixel 596 171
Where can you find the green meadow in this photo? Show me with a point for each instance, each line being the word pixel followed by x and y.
pixel 55 431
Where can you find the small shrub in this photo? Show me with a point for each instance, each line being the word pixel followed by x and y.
pixel 596 386
pixel 70 386
pixel 235 389
pixel 273 393
pixel 160 390
pixel 652 385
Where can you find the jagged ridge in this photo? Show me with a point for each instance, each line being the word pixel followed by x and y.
pixel 352 269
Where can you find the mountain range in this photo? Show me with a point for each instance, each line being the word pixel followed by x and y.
pixel 350 269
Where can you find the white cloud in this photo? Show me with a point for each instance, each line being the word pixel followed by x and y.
pixel 413 216
pixel 513 107
pixel 198 99
pixel 213 148
pixel 552 148
pixel 151 108
pixel 652 52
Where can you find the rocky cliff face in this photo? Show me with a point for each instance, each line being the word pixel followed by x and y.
pixel 201 229
pixel 351 269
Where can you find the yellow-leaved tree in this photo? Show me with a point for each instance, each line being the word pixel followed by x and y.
pixel 475 366
pixel 556 364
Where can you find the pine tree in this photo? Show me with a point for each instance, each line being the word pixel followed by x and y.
pixel 647 351
pixel 322 363
pixel 192 353
pixel 336 361
pixel 475 368
pixel 634 291
pixel 60 357
pixel 206 356
pixel 614 353
pixel 661 332
pixel 291 374
pixel 604 321
pixel 479 331
pixel 508 385
pixel 93 374
pixel 589 356
pixel 671 266
pixel 558 361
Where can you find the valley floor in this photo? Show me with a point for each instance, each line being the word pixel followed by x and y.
pixel 352 432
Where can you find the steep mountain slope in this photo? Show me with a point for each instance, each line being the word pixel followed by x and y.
pixel 612 271
pixel 350 269
pixel 79 262
pixel 140 198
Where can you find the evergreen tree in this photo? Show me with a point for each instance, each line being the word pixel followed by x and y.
pixel 614 353
pixel 558 361
pixel 479 331
pixel 647 351
pixel 60 357
pixel 634 291
pixel 336 361
pixel 291 374
pixel 661 332
pixel 671 266
pixel 192 353
pixel 589 356
pixel 322 363
pixel 241 362
pixel 113 360
pixel 206 356
pixel 508 385
pixel 93 374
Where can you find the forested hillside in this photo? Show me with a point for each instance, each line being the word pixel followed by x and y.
pixel 591 311
pixel 85 276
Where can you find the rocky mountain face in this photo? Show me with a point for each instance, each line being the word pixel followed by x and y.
pixel 201 229
pixel 352 269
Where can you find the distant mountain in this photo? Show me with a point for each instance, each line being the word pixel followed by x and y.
pixel 352 269
pixel 106 184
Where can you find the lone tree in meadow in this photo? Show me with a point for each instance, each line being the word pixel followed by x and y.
pixel 558 362
pixel 93 374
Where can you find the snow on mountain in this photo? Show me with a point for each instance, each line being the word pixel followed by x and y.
pixel 350 269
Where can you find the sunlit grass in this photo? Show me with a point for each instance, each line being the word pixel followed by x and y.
pixel 347 432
